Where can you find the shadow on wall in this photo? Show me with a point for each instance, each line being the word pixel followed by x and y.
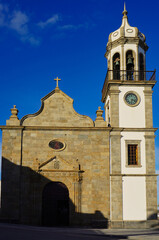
pixel 30 198
pixel 154 224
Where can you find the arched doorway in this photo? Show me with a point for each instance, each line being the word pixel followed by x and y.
pixel 55 204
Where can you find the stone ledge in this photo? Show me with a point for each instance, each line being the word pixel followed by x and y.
pixel 133 175
pixel 57 128
pixel 134 224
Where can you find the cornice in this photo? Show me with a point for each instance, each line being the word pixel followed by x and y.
pixel 121 129
pixel 148 92
pixel 44 128
pixel 11 127
pixel 121 82
pixel 114 92
pixel 69 171
pixel 125 40
pixel 140 129
pixel 133 175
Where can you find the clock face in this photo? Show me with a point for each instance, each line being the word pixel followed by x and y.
pixel 131 99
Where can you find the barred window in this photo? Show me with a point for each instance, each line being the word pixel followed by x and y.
pixel 132 154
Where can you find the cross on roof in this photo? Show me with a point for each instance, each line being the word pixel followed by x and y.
pixel 57 80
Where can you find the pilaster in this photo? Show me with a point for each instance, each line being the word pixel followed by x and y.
pixel 137 59
pixel 116 177
pixel 115 137
pixel 151 179
pixel 151 197
pixel 116 204
pixel 148 107
pixel 150 152
pixel 114 105
pixel 122 57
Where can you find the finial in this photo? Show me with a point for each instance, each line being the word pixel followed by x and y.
pixel 99 122
pixel 99 114
pixel 14 112
pixel 125 11
pixel 124 6
pixel 57 80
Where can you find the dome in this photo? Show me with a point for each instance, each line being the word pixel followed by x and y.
pixel 126 30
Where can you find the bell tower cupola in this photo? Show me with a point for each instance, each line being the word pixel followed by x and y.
pixel 126 49
pixel 127 80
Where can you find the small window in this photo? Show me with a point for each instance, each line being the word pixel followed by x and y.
pixel 57 145
pixel 132 154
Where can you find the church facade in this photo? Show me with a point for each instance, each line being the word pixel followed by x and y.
pixel 61 168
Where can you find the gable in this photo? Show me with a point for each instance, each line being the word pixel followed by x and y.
pixel 56 163
pixel 57 111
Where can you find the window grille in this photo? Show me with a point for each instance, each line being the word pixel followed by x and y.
pixel 132 154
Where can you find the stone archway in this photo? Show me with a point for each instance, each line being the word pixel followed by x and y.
pixel 55 204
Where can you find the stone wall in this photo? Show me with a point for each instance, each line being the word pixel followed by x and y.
pixel 29 163
pixel 90 149
pixel 11 160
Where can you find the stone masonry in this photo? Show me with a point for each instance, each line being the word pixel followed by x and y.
pixel 29 163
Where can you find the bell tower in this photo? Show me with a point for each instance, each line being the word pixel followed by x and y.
pixel 126 48
pixel 127 97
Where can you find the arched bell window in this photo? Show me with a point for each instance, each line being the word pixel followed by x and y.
pixel 116 66
pixel 129 65
pixel 141 67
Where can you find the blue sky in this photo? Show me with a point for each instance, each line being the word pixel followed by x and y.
pixel 43 39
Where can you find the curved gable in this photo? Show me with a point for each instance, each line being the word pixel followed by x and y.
pixel 57 111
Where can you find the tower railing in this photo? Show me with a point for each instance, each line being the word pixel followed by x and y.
pixel 129 75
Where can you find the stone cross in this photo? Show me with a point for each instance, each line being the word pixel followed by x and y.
pixel 57 80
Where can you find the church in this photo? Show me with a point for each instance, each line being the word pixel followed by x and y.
pixel 60 168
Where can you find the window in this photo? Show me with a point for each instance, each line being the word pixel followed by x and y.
pixel 130 65
pixel 133 158
pixel 132 154
pixel 57 145
pixel 116 66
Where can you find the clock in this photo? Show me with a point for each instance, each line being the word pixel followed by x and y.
pixel 132 99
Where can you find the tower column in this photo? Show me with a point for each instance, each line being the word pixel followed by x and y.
pixel 114 105
pixel 151 178
pixel 151 197
pixel 148 107
pixel 137 63
pixel 122 66
pixel 116 200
